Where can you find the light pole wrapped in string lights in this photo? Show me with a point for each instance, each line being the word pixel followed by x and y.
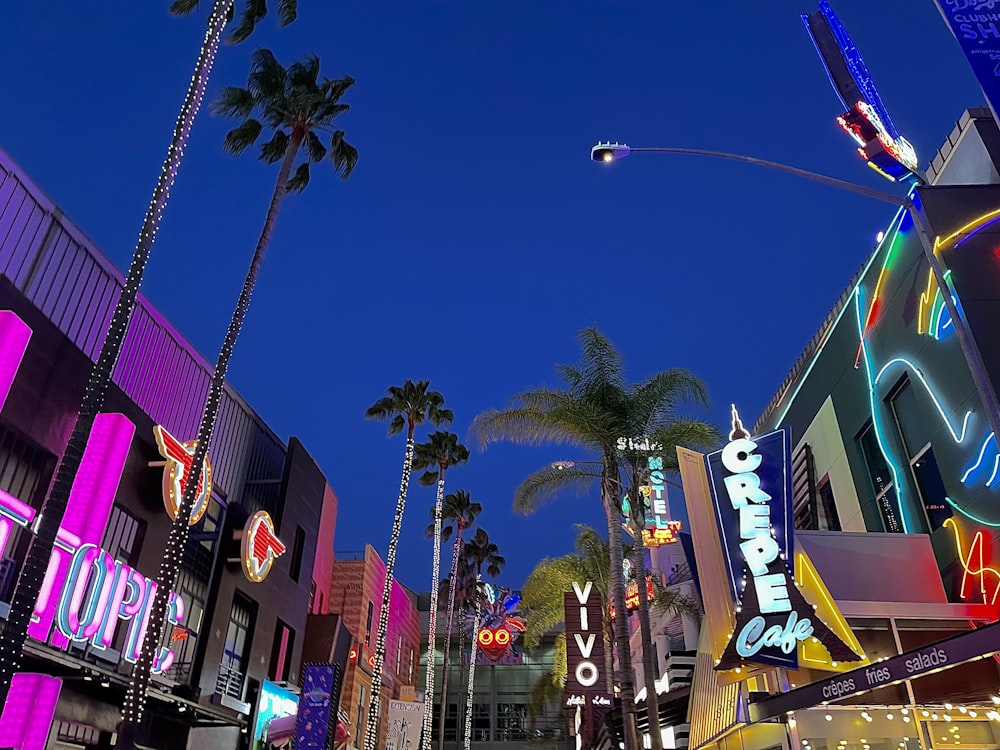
pixel 609 152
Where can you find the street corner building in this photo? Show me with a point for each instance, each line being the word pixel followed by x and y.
pixel 258 559
pixel 846 544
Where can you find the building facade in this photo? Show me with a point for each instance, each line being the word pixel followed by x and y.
pixel 892 475
pixel 230 632
pixel 355 595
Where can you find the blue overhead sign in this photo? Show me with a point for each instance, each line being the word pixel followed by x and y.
pixel 976 26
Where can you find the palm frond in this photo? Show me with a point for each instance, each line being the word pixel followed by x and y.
pixel 343 155
pixel 300 180
pixel 600 361
pixel 183 7
pixel 314 147
pixel 304 73
pixel 274 150
pixel 548 482
pixel 266 81
pixel 241 137
pixel 233 101
pixel 676 603
pixel 288 11
pixel 254 12
pixel 685 433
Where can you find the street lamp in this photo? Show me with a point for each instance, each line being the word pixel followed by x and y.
pixel 608 152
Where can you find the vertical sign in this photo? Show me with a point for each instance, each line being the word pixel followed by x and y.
pixel 586 694
pixel 317 714
pixel 976 26
pixel 405 719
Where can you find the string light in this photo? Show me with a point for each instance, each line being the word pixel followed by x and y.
pixel 425 740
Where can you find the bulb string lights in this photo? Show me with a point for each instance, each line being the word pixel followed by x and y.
pixel 467 738
pixel 375 709
pixel 425 741
pixel 40 548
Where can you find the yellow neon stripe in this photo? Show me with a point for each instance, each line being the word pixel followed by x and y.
pixel 971 226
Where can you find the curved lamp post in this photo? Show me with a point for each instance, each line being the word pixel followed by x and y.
pixel 609 152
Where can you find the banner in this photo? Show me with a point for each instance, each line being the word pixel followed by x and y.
pixel 317 714
pixel 405 720
pixel 976 26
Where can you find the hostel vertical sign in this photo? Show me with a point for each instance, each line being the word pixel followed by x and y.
pixel 586 695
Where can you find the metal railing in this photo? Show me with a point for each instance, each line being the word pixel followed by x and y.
pixel 230 682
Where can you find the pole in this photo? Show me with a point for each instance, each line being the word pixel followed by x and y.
pixel 973 357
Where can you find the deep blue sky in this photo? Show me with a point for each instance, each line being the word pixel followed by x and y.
pixel 475 237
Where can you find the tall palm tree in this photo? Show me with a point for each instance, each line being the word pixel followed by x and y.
pixel 462 512
pixel 544 604
pixel 405 406
pixel 479 552
pixel 442 451
pixel 592 411
pixel 295 103
pixel 36 561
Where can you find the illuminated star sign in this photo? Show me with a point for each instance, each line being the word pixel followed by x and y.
pixel 179 458
pixel 260 546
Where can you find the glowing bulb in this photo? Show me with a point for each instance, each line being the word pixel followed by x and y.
pixel 828 717
pixel 608 156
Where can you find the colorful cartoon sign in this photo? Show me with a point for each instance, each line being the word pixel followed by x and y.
pixel 317 714
pixel 274 703
pixel 260 546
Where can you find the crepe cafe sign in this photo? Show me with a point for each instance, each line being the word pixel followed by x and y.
pixel 751 490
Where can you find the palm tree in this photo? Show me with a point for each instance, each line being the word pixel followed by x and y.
pixel 544 604
pixel 36 561
pixel 442 450
pixel 459 508
pixel 404 406
pixel 294 102
pixel 593 410
pixel 479 552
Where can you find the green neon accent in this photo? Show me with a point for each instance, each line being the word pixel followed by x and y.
pixel 964 512
pixel 819 350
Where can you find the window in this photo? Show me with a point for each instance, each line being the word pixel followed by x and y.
pixel 368 624
pixel 827 518
pixel 879 509
pixel 281 652
pixel 812 501
pixel 930 485
pixel 359 722
pixel 199 554
pixel 481 722
pixel 236 656
pixel 123 538
pixel 298 546
pixel 184 638
pixel 512 722
pixel 409 675
pixel 399 652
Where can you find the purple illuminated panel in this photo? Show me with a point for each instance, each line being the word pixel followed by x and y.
pixel 14 335
pixel 87 512
pixel 27 716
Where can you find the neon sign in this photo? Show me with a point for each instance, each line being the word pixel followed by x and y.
pixel 750 484
pixel 179 457
pixel 974 566
pixel 867 119
pixel 661 535
pixel 260 546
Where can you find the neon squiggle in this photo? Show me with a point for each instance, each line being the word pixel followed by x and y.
pixel 979 460
pixel 964 512
pixel 956 436
pixel 974 554
pixel 875 419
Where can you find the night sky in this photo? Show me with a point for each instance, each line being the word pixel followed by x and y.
pixel 475 237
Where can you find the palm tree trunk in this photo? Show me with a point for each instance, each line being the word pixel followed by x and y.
pixel 609 490
pixel 36 562
pixel 455 554
pixel 371 732
pixel 648 668
pixel 472 670
pixel 425 737
pixel 135 698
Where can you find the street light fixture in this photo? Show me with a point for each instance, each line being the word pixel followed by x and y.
pixel 609 152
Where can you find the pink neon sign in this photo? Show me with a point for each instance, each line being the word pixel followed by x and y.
pixel 86 593
pixel 27 715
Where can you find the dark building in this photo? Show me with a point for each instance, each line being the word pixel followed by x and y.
pixel 231 631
